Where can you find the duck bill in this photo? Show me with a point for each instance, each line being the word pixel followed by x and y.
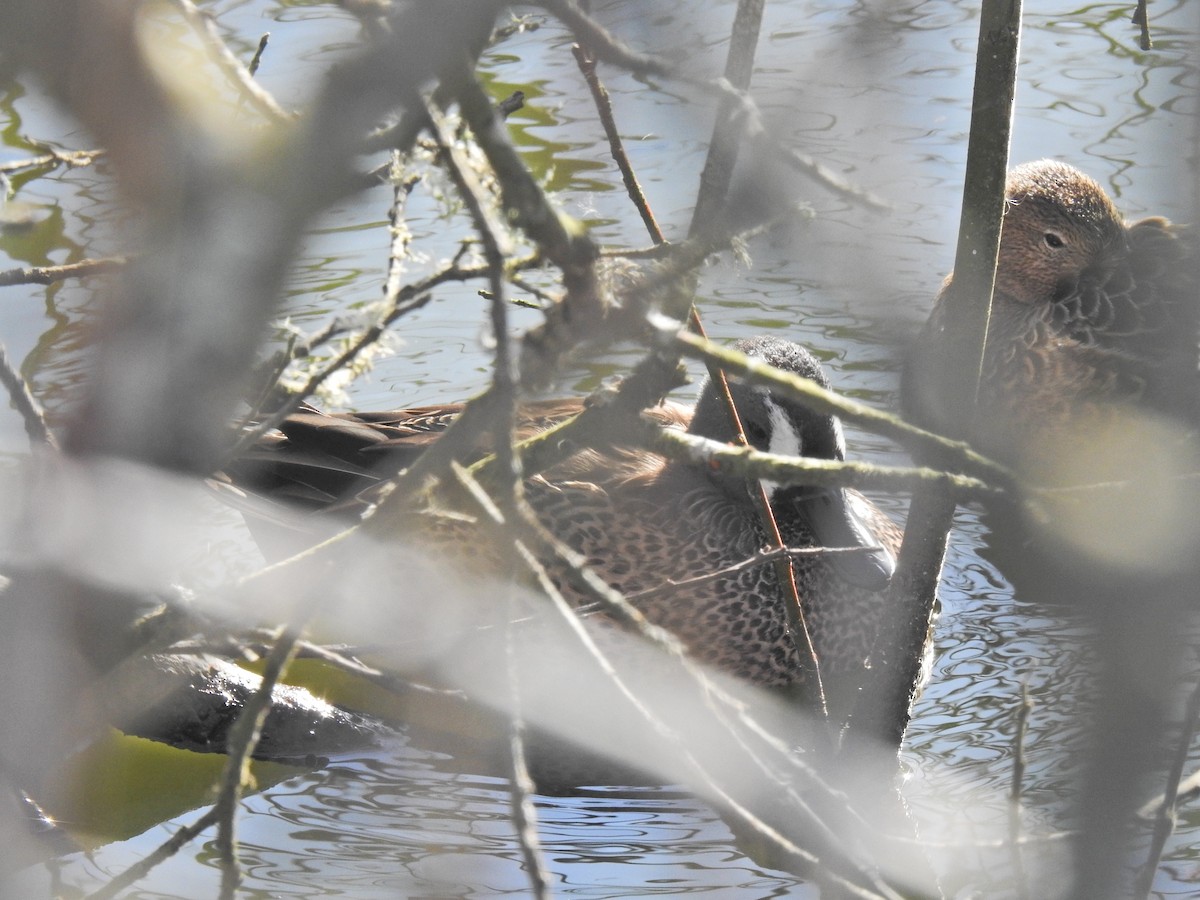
pixel 839 520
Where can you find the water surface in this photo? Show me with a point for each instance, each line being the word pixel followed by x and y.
pixel 878 92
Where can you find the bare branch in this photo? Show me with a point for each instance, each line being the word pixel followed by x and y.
pixel 70 158
pixel 23 402
pixel 243 738
pixel 231 67
pixel 587 66
pixel 160 854
pixel 1167 810
pixel 51 274
pixel 824 401
pixel 252 67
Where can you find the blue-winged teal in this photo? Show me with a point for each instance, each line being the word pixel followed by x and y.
pixel 1088 312
pixel 646 524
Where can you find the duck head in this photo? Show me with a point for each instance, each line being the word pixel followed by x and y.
pixel 838 518
pixel 1058 225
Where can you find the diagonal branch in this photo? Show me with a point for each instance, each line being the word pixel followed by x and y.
pixel 23 402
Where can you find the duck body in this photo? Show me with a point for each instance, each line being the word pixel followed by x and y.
pixel 1089 314
pixel 672 536
pixel 1088 391
pixel 735 621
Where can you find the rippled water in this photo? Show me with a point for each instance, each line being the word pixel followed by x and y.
pixel 878 91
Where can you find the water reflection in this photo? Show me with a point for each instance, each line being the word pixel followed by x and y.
pixel 399 825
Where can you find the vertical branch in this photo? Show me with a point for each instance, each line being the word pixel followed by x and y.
pixel 523 811
pixel 1164 820
pixel 883 711
pixel 1141 632
pixel 1014 791
pixel 983 203
pixel 714 187
pixel 1144 625
pixel 243 738
pixel 722 154
pixel 504 389
pixel 1141 18
pixel 723 148
pixel 1018 774
pixel 495 251
pixel 256 61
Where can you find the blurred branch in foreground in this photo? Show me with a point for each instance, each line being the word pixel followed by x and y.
pixel 218 212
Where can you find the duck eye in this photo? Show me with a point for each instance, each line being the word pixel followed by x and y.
pixel 755 433
pixel 1053 240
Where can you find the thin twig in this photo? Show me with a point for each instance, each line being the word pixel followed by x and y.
pixel 71 158
pixel 726 140
pixel 495 247
pixel 743 112
pixel 523 810
pixel 367 338
pixel 1022 726
pixel 616 147
pixel 401 236
pixel 164 851
pixel 394 306
pixel 602 44
pixel 821 174
pixel 657 251
pixel 51 274
pixel 756 464
pixel 532 289
pixel 24 403
pixel 232 67
pixel 389 681
pixel 761 558
pixel 827 402
pixel 1164 822
pixel 243 738
pixel 560 240
pixel 1014 791
pixel 252 68
pixel 409 298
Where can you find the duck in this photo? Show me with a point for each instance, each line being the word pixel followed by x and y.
pixel 649 526
pixel 1091 315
